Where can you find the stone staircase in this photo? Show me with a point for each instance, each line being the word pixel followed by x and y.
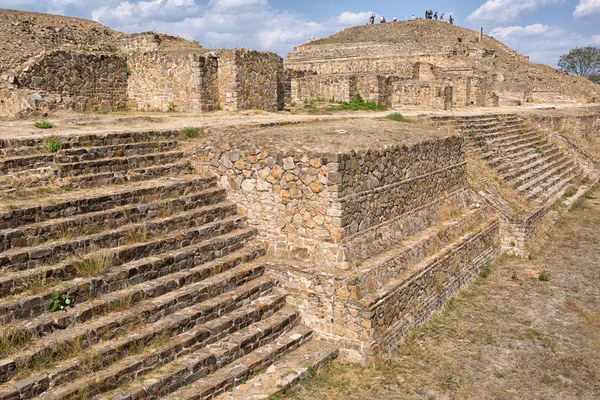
pixel 159 284
pixel 522 158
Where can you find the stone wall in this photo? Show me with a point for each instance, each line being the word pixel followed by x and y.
pixel 250 79
pixel 436 95
pixel 66 79
pixel 336 87
pixel 140 42
pixel 310 206
pixel 368 321
pixel 185 82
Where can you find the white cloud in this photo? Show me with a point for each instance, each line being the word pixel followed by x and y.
pixel 587 8
pixel 542 43
pixel 502 32
pixel 505 10
pixel 349 18
pixel 223 23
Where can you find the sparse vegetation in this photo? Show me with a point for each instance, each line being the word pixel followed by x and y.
pixel 127 71
pixel 472 134
pixel 357 104
pixel 544 276
pixel 60 302
pixel 539 150
pixel 94 265
pixel 485 271
pixel 191 132
pixel 571 191
pixel 43 124
pixel 54 145
pixel 171 107
pixel 11 342
pixel 105 112
pixel 397 117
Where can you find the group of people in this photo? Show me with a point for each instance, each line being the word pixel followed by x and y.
pixel 429 14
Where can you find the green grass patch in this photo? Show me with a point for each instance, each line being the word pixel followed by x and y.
pixel 54 144
pixel 43 125
pixel 398 117
pixel 192 132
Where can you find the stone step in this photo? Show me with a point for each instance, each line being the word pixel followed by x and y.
pixel 122 178
pixel 85 224
pixel 130 283
pixel 30 306
pixel 526 160
pixel 503 158
pixel 542 169
pixel 109 326
pixel 376 271
pixel 487 126
pixel 539 179
pixel 129 378
pixel 24 163
pixel 282 375
pixel 516 141
pixel 226 379
pixel 517 149
pixel 118 164
pixel 551 189
pixel 22 258
pixel 37 144
pixel 534 163
pixel 121 150
pixel 101 198
pixel 157 343
pixel 501 137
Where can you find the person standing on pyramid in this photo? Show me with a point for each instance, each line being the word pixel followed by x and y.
pixel 435 16
pixel 372 19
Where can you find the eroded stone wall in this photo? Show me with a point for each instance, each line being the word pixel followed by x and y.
pixel 250 79
pixel 184 82
pixel 67 79
pixel 422 94
pixel 311 206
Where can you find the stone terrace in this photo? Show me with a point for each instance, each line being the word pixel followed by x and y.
pixel 169 291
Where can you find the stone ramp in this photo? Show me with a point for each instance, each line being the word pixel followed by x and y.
pixel 167 290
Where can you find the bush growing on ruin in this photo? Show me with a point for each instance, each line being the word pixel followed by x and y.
pixel 191 132
pixel 54 145
pixel 43 125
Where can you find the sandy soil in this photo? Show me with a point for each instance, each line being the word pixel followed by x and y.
pixel 508 336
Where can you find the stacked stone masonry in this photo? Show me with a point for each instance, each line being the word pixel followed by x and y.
pixel 182 306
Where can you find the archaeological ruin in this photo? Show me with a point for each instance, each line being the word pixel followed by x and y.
pixel 192 225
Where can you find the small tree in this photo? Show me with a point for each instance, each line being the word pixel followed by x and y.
pixel 582 61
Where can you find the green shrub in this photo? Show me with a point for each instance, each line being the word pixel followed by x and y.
pixel 472 134
pixel 171 107
pixel 43 125
pixel 397 117
pixel 127 71
pixel 191 132
pixel 539 150
pixel 105 112
pixel 544 276
pixel 358 103
pixel 54 144
pixel 60 302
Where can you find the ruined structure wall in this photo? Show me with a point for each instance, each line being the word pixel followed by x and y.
pixel 72 80
pixel 423 94
pixel 311 206
pixel 164 81
pixel 140 43
pixel 327 87
pixel 250 79
pixel 367 85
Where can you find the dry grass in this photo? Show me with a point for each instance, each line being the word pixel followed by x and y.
pixel 137 235
pixel 510 336
pixel 11 342
pixel 95 264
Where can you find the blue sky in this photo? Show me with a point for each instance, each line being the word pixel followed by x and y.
pixel 541 29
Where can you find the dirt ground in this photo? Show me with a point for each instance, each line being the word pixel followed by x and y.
pixel 507 336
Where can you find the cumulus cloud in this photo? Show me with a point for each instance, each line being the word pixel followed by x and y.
pixel 587 8
pixel 505 10
pixel 223 23
pixel 542 43
pixel 522 31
